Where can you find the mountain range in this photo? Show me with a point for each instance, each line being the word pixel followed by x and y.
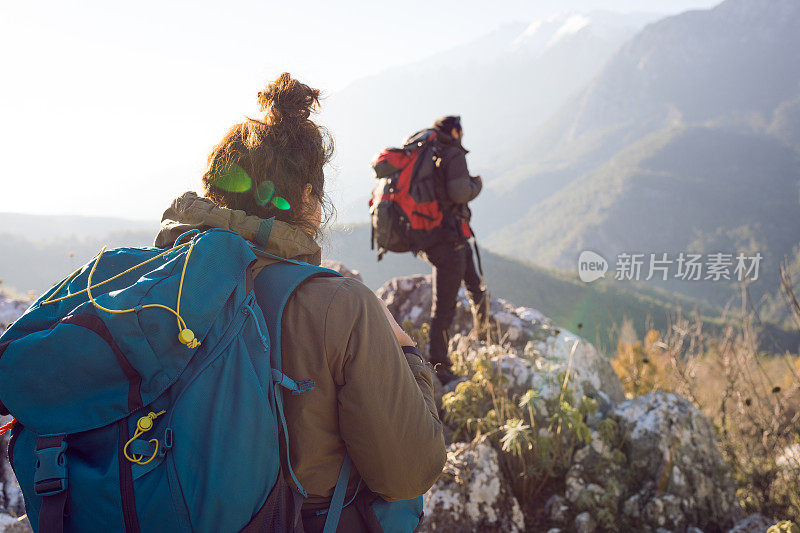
pixel 44 249
pixel 687 140
pixel 504 84
pixel 611 133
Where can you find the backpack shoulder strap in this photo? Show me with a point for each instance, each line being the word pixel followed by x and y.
pixel 273 287
pixel 420 138
pixel 337 500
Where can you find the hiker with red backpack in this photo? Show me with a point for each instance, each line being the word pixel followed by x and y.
pixel 420 205
pixel 222 380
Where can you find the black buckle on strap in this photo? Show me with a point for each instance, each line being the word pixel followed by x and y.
pixel 50 477
pixel 304 386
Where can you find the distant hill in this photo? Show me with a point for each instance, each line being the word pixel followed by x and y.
pixel 597 309
pixel 687 140
pixel 35 265
pixel 684 189
pixel 735 66
pixel 43 227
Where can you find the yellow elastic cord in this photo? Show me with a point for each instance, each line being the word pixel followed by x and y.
pixel 51 300
pixel 185 335
pixel 144 425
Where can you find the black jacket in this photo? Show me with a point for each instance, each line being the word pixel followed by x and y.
pixel 460 187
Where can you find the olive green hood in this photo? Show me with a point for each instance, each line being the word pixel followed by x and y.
pixel 189 211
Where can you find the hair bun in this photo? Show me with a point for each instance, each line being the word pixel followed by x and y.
pixel 287 99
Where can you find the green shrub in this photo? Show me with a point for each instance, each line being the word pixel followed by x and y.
pixel 535 436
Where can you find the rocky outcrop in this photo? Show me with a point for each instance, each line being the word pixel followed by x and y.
pixel 590 372
pixel 755 523
pixel 666 433
pixel 10 310
pixel 10 524
pixel 784 526
pixel 649 464
pixel 11 500
pixel 652 464
pixel 543 364
pixel 341 269
pixel 790 458
pixel 12 504
pixel 409 299
pixel 471 494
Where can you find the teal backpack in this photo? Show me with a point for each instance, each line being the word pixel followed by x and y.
pixel 146 393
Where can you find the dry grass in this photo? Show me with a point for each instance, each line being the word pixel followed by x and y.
pixel 14 294
pixel 752 397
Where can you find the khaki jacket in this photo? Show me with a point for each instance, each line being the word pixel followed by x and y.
pixel 370 400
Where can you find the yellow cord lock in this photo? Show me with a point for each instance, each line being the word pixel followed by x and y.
pixel 143 425
pixel 186 336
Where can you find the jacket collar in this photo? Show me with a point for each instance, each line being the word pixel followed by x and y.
pixel 190 211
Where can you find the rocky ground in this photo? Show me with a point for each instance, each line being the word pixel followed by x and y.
pixel 11 503
pixel 660 471
pixel 10 310
pixel 655 468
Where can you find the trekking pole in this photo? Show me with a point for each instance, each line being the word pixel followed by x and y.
pixel 485 302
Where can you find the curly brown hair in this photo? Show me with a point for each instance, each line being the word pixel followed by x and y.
pixel 285 147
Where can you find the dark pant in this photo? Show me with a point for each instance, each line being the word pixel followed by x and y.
pixel 452 264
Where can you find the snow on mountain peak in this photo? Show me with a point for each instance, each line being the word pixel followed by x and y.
pixel 541 34
pixel 571 26
pixel 545 33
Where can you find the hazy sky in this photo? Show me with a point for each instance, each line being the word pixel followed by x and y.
pixel 110 108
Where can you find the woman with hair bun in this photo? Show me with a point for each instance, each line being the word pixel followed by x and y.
pixel 373 393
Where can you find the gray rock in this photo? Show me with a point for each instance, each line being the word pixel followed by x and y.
pixel 584 523
pixel 12 503
pixel 11 524
pixel 755 523
pixel 542 365
pixel 789 459
pixel 10 310
pixel 665 473
pixel 409 298
pixel 471 494
pixel 11 500
pixel 591 373
pixel 669 437
pixel 557 509
pixel 341 269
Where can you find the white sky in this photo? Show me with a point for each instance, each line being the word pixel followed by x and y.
pixel 110 108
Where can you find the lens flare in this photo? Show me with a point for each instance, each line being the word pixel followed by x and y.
pixel 281 203
pixel 233 178
pixel 264 192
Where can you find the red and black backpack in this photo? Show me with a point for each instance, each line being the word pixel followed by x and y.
pixel 404 209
